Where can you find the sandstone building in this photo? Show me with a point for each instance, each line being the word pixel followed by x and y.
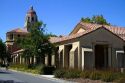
pixel 88 45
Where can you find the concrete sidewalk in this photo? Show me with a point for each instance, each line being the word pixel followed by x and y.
pixel 10 77
pixel 6 77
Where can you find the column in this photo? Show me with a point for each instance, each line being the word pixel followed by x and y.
pixel 61 55
pixel 34 60
pixel 83 62
pixel 30 60
pixel 20 59
pixel 109 57
pixel 46 60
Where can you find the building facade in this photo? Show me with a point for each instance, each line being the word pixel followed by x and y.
pixel 88 46
pixel 91 46
pixel 11 36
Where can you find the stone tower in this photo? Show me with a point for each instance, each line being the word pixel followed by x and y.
pixel 31 18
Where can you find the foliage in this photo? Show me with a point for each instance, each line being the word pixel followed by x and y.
pixel 2 50
pixel 98 19
pixel 72 74
pixel 85 74
pixel 59 73
pixel 4 54
pixel 121 80
pixel 48 70
pixel 36 43
pixel 95 75
pixel 107 76
pixel 87 20
pixel 36 69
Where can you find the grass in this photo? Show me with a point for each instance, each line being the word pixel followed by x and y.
pixel 24 68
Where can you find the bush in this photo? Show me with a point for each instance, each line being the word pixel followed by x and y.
pixel 85 74
pixel 48 70
pixel 108 76
pixel 31 66
pixel 95 75
pixel 59 73
pixel 72 74
pixel 121 80
pixel 3 65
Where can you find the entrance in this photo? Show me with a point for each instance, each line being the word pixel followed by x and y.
pixel 101 56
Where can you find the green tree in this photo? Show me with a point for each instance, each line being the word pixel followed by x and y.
pixel 87 20
pixel 36 43
pixel 98 19
pixel 4 54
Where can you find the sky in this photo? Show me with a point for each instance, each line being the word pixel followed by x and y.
pixel 60 16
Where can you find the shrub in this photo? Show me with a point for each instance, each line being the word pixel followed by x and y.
pixel 121 80
pixel 59 73
pixel 72 74
pixel 95 75
pixel 85 74
pixel 31 66
pixel 108 76
pixel 48 70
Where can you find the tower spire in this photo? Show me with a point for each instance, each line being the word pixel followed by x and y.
pixel 31 18
pixel 31 8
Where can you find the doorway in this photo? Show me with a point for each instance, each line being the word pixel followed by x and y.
pixel 101 56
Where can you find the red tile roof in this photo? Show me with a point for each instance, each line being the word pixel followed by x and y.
pixel 19 30
pixel 119 31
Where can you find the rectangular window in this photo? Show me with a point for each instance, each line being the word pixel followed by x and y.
pixel 11 36
pixel 120 59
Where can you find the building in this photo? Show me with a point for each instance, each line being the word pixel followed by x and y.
pixel 88 46
pixel 91 46
pixel 11 36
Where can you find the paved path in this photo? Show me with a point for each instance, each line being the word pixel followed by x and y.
pixel 20 77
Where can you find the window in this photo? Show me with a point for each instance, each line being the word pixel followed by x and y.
pixel 32 19
pixel 11 36
pixel 120 59
pixel 18 35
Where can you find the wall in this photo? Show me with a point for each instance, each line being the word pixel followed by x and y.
pixel 105 37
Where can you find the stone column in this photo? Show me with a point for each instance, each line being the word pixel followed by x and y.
pixel 71 59
pixel 46 60
pixel 13 59
pixel 30 60
pixel 20 59
pixel 109 57
pixel 34 60
pixel 83 62
pixel 61 49
pixel 105 57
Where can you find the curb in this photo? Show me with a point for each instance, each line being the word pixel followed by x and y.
pixel 40 76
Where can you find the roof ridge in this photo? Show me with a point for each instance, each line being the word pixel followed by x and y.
pixel 115 26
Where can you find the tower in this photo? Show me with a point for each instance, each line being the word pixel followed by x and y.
pixel 31 18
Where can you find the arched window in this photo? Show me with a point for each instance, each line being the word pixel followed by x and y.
pixel 32 19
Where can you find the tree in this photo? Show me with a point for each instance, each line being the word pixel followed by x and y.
pixel 4 54
pixel 98 19
pixel 36 43
pixel 87 20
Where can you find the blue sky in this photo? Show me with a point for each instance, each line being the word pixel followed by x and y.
pixel 61 16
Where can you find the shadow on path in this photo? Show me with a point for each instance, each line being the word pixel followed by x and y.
pixel 1 72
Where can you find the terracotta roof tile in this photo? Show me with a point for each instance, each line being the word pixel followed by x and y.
pixel 119 31
pixel 19 30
